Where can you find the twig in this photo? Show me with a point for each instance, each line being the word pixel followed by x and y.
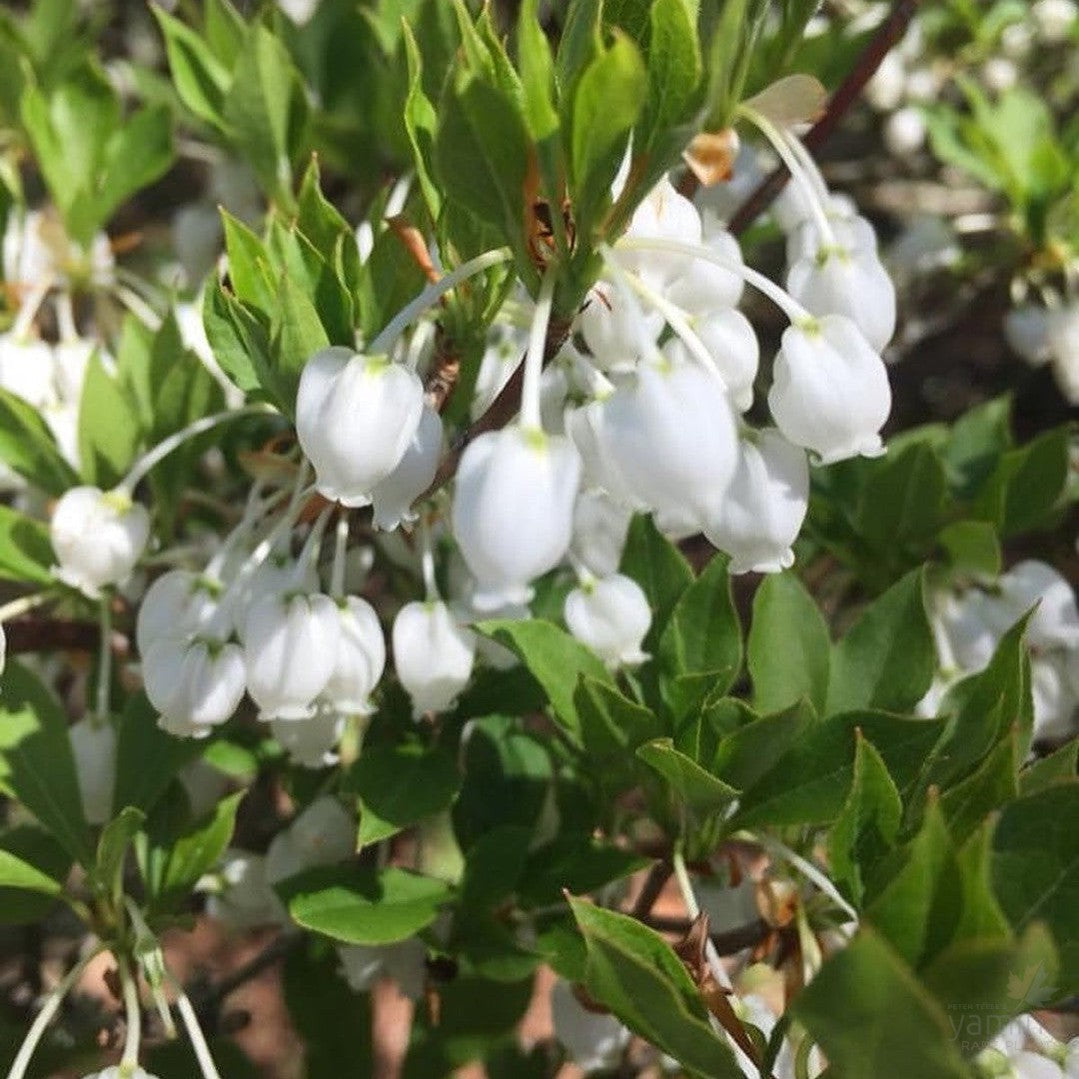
pixel 653 885
pixel 729 942
pixel 888 34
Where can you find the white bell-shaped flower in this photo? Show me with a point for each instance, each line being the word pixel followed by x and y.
pixel 361 658
pixel 195 684
pixel 98 537
pixel 967 629
pixel 246 898
pixel 323 834
pixel 663 215
pixel 71 358
pixel 732 342
pixel 600 526
pixel 513 510
pixel 505 347
pixel 672 437
pixel 1053 693
pixel 830 392
pixel 1026 329
pixel 1063 340
pixel 93 745
pixel 290 652
pixel 885 89
pixel 178 604
pixel 27 369
pixel 599 470
pixel 433 655
pixel 63 421
pixel 611 615
pixel 765 506
pixel 703 287
pixel 853 233
pixel 392 498
pixel 404 963
pixel 117 1072
pixel 311 743
pixel 615 328
pixel 1055 622
pixel 593 1040
pixel 905 131
pixel 355 417
pixel 1054 19
pixel 851 283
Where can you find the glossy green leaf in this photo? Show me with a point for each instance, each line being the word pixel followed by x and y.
pixel 26 554
pixel 700 791
pixel 29 448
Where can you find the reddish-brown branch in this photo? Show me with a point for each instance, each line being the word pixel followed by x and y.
pixel 37 634
pixel 888 34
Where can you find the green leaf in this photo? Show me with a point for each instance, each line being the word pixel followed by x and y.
pixel 200 78
pixel 1059 767
pixel 198 850
pixel 361 905
pixel 575 862
pixel 555 659
pixel 112 847
pixel 1035 869
pixel 421 124
pixel 810 782
pixel 223 316
pixel 789 649
pixel 28 446
pixel 611 724
pixel 703 635
pixel 744 755
pixel 16 873
pixel 249 264
pixel 635 973
pixel 887 658
pixel 700 791
pixel 266 112
pixel 296 335
pixel 659 568
pixel 109 431
pixel 993 784
pixel 36 848
pixel 388 280
pixel 537 73
pixel 903 501
pixel 38 765
pixel 399 785
pixel 606 104
pixel 26 554
pixel 972 547
pixel 871 1017
pixel 868 824
pixel 147 759
pixel 674 77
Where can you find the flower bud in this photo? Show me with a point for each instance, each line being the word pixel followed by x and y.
pixel 361 658
pixel 672 438
pixel 432 654
pixel 290 652
pixel 98 537
pixel 310 743
pixel 195 685
pixel 513 510
pixel 355 418
pixel 179 603
pixel 765 506
pixel 855 284
pixel 392 498
pixel 732 343
pixel 93 745
pixel 611 615
pixel 830 392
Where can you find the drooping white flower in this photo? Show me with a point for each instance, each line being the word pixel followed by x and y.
pixel 615 328
pixel 1052 688
pixel 611 615
pixel 98 537
pixel 93 745
pixel 1054 19
pixel 885 89
pixel 732 342
pixel 323 834
pixel 852 232
pixel 1026 328
pixel 1055 623
pixel 404 963
pixel 702 287
pixel 361 657
pixel 671 435
pixel 117 1072
pixel 599 471
pixel 830 391
pixel 505 346
pixel 246 898
pixel 392 498
pixel 311 742
pixel 195 684
pixel 851 283
pixel 665 214
pixel 593 1040
pixel 513 510
pixel 176 605
pixel 28 369
pixel 766 503
pixel 600 525
pixel 905 131
pixel 1063 341
pixel 290 652
pixel 355 418
pixel 433 655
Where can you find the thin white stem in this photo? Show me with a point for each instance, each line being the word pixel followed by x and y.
pixel 794 311
pixel 45 1016
pixel 340 547
pixel 427 562
pixel 812 170
pixel 645 341
pixel 15 607
pixel 104 670
pixel 599 385
pixel 29 308
pixel 537 342
pixel 198 1039
pixel 138 307
pixel 808 870
pixel 154 457
pixel 715 964
pixel 432 294
pixel 65 316
pixel 313 546
pixel 797 171
pixel 133 1011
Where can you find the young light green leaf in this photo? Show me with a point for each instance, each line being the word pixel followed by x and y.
pixel 197 851
pixel 16 873
pixel 29 448
pixel 201 80
pixel 701 792
pixel 109 431
pixel 26 554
